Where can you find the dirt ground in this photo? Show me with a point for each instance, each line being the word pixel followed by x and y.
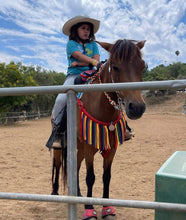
pixel 25 165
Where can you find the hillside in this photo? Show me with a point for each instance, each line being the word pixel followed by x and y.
pixel 173 104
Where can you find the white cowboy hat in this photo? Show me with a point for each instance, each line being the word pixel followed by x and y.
pixel 78 19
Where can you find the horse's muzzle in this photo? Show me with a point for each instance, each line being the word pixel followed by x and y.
pixel 135 110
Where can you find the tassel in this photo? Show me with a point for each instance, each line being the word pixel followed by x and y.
pixel 81 126
pixel 116 137
pixel 97 133
pixel 93 134
pixel 119 132
pixel 102 137
pixel 90 132
pixel 97 136
pixel 84 127
pixel 87 130
pixel 107 142
pixel 123 125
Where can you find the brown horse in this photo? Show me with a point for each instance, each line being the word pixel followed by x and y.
pixel 100 121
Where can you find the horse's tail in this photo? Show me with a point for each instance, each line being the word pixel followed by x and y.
pixel 55 169
pixel 59 160
pixel 64 165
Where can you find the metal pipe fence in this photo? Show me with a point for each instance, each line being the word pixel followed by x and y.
pixel 71 91
pixel 95 201
pixel 153 85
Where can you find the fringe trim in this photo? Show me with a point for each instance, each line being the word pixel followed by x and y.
pixel 97 133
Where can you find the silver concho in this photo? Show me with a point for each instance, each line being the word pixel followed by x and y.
pixel 111 127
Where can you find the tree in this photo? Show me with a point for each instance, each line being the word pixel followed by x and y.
pixel 161 72
pixel 177 70
pixel 11 76
pixel 145 71
pixel 18 75
pixel 46 78
pixel 158 73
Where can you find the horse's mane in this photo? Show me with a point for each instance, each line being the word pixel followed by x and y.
pixel 124 50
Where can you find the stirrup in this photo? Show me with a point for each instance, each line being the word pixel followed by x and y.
pixel 56 137
pixel 89 213
pixel 51 138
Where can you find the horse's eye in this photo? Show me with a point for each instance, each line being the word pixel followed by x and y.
pixel 115 68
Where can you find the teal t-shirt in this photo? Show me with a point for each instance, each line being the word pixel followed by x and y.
pixel 90 50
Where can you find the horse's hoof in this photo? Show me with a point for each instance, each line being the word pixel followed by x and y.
pixel 89 214
pixel 108 213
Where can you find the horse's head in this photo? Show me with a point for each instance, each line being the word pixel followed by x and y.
pixel 125 64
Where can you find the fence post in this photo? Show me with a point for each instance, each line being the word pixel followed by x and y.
pixel 71 152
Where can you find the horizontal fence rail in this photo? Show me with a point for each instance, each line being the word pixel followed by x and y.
pixel 95 201
pixel 169 84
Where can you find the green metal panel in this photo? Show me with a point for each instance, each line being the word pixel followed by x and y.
pixel 170 185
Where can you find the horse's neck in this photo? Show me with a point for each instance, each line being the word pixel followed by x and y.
pixel 105 77
pixel 105 74
pixel 97 104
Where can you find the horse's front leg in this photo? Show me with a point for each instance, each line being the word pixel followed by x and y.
pixel 107 164
pixel 89 152
pixel 90 176
pixel 80 157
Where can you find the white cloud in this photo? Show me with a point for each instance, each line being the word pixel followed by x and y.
pixel 6 58
pixel 37 35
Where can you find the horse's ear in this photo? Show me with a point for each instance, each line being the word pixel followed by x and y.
pixel 141 44
pixel 105 45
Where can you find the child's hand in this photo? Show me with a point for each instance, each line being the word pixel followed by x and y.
pixel 74 64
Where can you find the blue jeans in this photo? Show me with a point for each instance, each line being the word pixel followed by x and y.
pixel 61 101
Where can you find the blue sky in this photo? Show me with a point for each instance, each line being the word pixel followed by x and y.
pixel 30 30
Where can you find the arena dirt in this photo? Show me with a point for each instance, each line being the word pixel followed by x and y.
pixel 26 164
